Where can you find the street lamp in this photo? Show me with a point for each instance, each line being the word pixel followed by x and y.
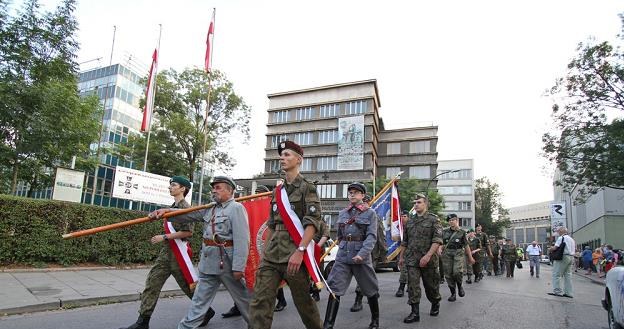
pixel 436 176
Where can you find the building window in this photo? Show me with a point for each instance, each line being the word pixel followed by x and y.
pixel 464 206
pixel 303 138
pixel 392 171
pixel 306 165
pixel 328 136
pixel 420 172
pixel 326 191
pixel 461 174
pixel 329 110
pixel 305 113
pixel 355 107
pixel 326 163
pixel 450 205
pixel 275 140
pixel 465 222
pixel 274 166
pixel 393 148
pixel 455 190
pixel 280 116
pixel 420 147
pixel 345 190
pixel 519 236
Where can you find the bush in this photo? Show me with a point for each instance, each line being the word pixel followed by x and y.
pixel 31 232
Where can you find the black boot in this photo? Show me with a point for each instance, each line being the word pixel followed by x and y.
pixel 141 323
pixel 435 309
pixel 373 303
pixel 281 301
pixel 209 316
pixel 413 316
pixel 399 292
pixel 332 310
pixel 232 312
pixel 477 278
pixel 315 295
pixel 357 304
pixel 453 297
pixel 460 289
pixel 469 280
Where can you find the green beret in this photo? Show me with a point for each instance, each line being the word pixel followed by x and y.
pixel 223 179
pixel 180 180
pixel 471 230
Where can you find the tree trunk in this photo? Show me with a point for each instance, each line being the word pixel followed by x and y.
pixel 14 180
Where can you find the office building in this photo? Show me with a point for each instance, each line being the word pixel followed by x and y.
pixel 455 183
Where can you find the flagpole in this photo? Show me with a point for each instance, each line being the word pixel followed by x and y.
pixel 386 187
pixel 203 154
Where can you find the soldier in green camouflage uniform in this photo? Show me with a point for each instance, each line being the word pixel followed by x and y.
pixel 282 259
pixel 421 239
pixel 455 246
pixel 486 251
pixel 510 255
pixel 495 252
pixel 475 248
pixel 166 263
pixel 403 276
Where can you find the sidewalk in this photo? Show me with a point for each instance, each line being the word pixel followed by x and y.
pixel 43 290
pixel 593 277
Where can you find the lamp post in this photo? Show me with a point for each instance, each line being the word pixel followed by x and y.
pixel 436 176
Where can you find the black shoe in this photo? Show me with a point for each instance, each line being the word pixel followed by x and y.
pixel 453 297
pixel 373 304
pixel 280 306
pixel 141 323
pixel 435 309
pixel 209 316
pixel 399 292
pixel 232 312
pixel 460 290
pixel 316 296
pixel 489 273
pixel 469 280
pixel 332 310
pixel 413 316
pixel 357 304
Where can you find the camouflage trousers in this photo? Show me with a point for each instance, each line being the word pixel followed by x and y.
pixel 165 266
pixel 477 267
pixel 453 262
pixel 403 276
pixel 431 281
pixel 268 278
pixel 468 267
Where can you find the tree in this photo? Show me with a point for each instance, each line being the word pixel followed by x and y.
pixel 178 131
pixel 586 147
pixel 408 187
pixel 488 206
pixel 43 121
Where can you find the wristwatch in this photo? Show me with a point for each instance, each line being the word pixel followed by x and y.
pixel 301 248
pixel 165 237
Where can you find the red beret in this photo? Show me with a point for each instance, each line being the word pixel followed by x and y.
pixel 290 145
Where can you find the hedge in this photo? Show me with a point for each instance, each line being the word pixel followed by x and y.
pixel 31 230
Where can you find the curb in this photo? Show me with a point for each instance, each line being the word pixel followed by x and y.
pixel 592 279
pixel 63 269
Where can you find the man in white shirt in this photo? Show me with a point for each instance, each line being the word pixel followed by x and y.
pixel 534 251
pixel 563 267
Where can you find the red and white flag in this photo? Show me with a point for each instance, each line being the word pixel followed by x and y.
pixel 209 37
pixel 183 254
pixel 149 94
pixel 396 210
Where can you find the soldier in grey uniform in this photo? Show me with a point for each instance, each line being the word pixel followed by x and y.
pixel 357 233
pixel 403 276
pixel 224 251
pixel 421 240
pixel 455 245
pixel 166 264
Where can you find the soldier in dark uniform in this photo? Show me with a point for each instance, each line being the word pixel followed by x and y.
pixel 224 251
pixel 455 246
pixel 357 233
pixel 282 259
pixel 510 255
pixel 495 251
pixel 166 263
pixel 403 276
pixel 475 247
pixel 486 250
pixel 421 240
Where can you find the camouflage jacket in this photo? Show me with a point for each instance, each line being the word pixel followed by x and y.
pixel 420 233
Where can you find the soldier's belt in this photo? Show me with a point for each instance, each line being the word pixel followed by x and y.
pixel 280 227
pixel 352 238
pixel 454 248
pixel 224 243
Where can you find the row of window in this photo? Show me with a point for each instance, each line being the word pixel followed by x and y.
pixel 324 111
pixel 518 235
pixel 458 206
pixel 307 138
pixel 107 71
pixel 461 174
pixel 418 172
pixel 105 93
pixel 414 147
pixel 322 164
pixel 455 190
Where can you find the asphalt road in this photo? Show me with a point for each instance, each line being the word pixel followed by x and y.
pixel 495 302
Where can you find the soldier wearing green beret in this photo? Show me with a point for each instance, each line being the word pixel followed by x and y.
pixel 510 255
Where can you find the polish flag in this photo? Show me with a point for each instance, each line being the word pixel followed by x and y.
pixel 209 37
pixel 149 94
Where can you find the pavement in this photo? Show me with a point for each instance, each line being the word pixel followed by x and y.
pixel 36 290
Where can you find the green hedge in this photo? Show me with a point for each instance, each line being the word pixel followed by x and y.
pixel 31 230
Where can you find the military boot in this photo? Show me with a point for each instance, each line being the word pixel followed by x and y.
pixel 232 312
pixel 413 316
pixel 141 323
pixel 453 297
pixel 477 278
pixel 399 292
pixel 373 303
pixel 460 289
pixel 469 280
pixel 357 304
pixel 332 310
pixel 435 309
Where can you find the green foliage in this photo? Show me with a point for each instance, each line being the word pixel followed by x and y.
pixel 488 205
pixel 408 187
pixel 586 146
pixel 31 230
pixel 43 121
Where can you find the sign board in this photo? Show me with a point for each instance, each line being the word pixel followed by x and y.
pixel 351 143
pixel 68 185
pixel 557 216
pixel 137 185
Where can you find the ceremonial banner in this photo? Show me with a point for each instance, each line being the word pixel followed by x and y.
pixel 351 143
pixel 137 185
pixel 388 209
pixel 149 94
pixel 258 214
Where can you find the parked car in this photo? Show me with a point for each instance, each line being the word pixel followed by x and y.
pixel 330 259
pixel 545 259
pixel 614 297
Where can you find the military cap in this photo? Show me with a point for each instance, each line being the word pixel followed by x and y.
pixel 478 225
pixel 357 186
pixel 289 145
pixel 367 198
pixel 451 216
pixel 419 196
pixel 262 189
pixel 404 212
pixel 223 179
pixel 180 180
pixel 471 230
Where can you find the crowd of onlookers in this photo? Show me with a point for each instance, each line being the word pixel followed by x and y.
pixel 598 261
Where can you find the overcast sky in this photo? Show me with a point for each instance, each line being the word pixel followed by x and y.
pixel 477 69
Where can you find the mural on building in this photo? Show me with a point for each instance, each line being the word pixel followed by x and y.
pixel 351 143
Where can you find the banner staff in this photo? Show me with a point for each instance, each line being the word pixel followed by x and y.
pixel 208 69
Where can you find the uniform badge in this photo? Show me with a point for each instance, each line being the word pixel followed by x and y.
pixel 456 240
pixel 312 209
pixel 274 207
pixel 283 145
pixel 292 206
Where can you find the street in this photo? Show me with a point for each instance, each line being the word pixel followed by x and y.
pixel 495 302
